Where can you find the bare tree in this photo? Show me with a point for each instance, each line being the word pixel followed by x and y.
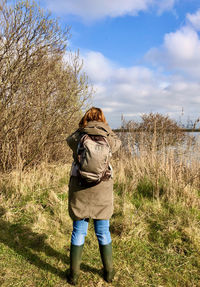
pixel 41 95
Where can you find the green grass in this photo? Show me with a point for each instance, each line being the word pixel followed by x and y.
pixel 155 243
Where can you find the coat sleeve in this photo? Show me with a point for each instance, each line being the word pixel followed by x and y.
pixel 114 141
pixel 73 141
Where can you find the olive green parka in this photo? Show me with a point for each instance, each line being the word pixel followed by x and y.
pixel 96 201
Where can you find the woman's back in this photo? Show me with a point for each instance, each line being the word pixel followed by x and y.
pixel 91 199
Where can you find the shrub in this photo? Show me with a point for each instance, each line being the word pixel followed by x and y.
pixel 155 131
pixel 41 94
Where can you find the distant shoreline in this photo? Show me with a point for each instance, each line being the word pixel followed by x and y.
pixel 132 130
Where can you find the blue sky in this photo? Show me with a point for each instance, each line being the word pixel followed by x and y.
pixel 140 55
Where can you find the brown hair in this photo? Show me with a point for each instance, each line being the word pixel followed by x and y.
pixel 93 114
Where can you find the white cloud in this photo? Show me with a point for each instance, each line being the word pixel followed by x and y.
pixel 138 89
pixel 98 66
pixel 183 45
pixel 180 52
pixel 165 5
pixel 90 10
pixel 194 20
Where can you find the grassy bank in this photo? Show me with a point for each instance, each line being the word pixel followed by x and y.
pixel 155 227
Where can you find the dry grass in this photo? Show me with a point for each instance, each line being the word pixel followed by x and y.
pixel 171 173
pixel 155 227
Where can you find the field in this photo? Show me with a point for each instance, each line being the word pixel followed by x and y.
pixel 155 227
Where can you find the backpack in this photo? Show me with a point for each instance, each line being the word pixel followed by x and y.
pixel 94 155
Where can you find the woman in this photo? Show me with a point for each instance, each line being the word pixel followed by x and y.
pixel 91 200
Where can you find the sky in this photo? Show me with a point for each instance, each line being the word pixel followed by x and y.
pixel 141 56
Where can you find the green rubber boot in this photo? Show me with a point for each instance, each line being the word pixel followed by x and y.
pixel 75 261
pixel 106 257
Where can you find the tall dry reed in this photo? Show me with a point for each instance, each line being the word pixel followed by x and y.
pixel 171 173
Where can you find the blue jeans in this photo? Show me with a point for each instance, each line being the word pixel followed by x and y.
pixel 80 228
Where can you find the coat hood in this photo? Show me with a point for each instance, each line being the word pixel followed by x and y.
pixel 96 128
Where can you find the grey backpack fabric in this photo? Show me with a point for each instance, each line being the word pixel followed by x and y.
pixel 94 155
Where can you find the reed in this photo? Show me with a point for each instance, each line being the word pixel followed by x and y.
pixel 167 172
